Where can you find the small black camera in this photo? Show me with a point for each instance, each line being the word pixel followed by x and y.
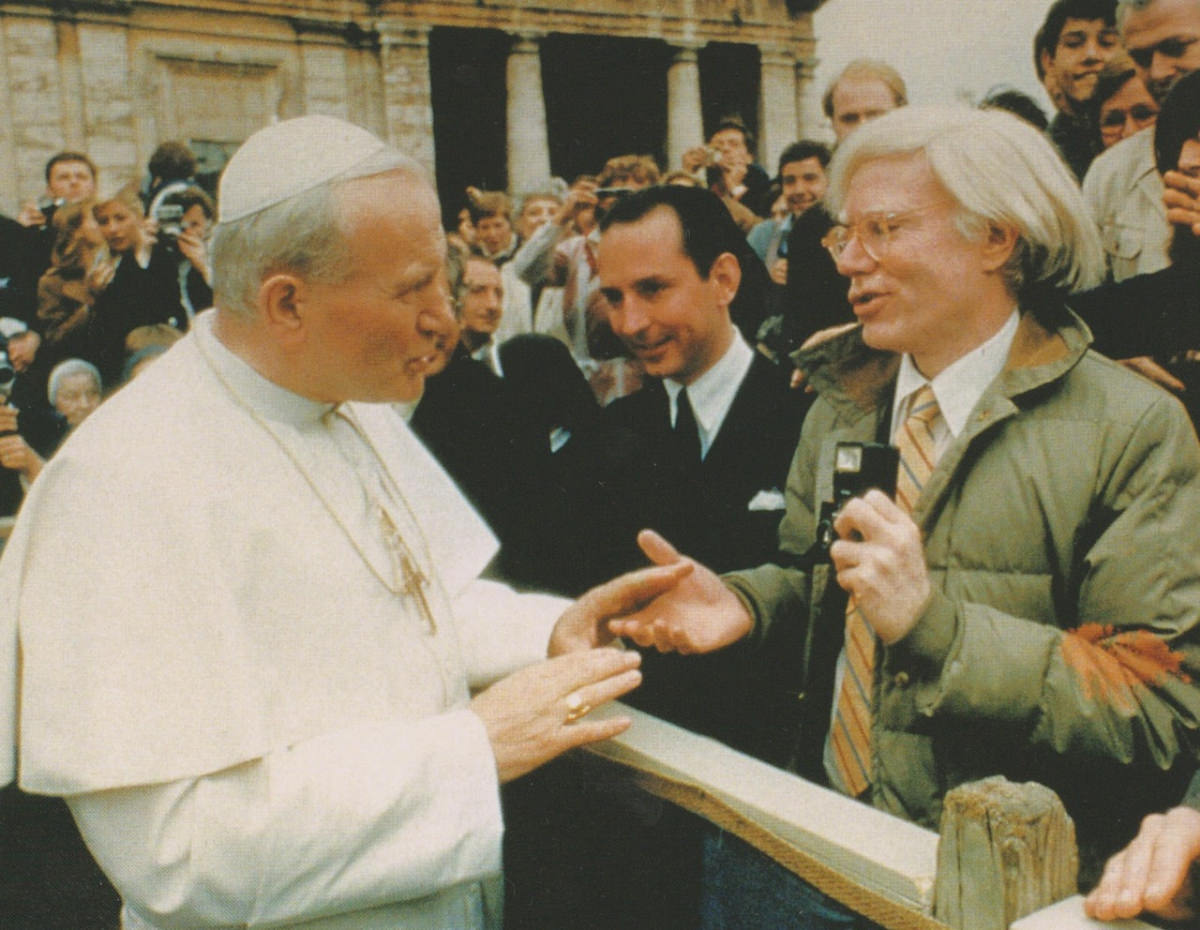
pixel 47 206
pixel 857 467
pixel 169 217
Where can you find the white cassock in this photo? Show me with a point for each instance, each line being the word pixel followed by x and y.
pixel 252 720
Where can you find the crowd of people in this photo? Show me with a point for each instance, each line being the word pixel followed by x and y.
pixel 704 350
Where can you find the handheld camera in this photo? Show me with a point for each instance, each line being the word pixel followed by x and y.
pixel 857 467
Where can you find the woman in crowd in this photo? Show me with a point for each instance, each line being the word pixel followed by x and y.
pixel 140 285
pixel 68 289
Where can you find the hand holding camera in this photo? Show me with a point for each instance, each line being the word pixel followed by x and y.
pixel 874 545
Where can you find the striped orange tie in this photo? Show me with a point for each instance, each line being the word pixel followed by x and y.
pixel 850 737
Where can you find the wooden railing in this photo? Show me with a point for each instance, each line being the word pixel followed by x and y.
pixel 1010 847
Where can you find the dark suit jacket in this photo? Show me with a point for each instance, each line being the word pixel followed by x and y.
pixel 705 512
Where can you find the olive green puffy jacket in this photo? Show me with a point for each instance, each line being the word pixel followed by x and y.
pixel 1062 536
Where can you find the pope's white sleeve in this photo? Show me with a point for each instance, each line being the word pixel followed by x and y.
pixel 502 630
pixel 375 814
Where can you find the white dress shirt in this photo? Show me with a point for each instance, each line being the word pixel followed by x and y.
pixel 711 395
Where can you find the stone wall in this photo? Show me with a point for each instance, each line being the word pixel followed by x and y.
pixel 115 77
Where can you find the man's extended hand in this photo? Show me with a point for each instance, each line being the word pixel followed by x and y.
pixel 1152 872
pixel 584 625
pixel 1182 199
pixel 699 614
pixel 879 559
pixel 538 713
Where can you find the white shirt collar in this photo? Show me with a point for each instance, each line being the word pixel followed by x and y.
pixel 712 394
pixel 959 386
pixel 265 397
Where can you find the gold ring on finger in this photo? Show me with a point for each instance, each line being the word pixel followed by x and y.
pixel 577 707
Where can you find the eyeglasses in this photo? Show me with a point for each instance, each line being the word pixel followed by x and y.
pixel 1168 48
pixel 875 231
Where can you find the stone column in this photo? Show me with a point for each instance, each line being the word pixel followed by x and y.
pixel 813 123
pixel 778 121
pixel 528 138
pixel 685 118
pixel 407 93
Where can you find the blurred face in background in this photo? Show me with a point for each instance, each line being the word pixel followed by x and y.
pixel 803 184
pixel 494 233
pixel 858 100
pixel 78 395
pixel 535 214
pixel 72 181
pixel 121 226
pixel 1163 39
pixel 1129 110
pixel 482 303
pixel 196 221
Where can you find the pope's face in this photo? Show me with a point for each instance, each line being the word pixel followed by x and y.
pixel 375 335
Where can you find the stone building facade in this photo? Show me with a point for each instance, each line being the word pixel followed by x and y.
pixel 502 93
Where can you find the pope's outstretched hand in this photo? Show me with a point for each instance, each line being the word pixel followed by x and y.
pixel 698 614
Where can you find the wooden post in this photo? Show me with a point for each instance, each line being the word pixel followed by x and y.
pixel 1006 850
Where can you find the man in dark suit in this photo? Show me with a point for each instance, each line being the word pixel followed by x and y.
pixel 717 425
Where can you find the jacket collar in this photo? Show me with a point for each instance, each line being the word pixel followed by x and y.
pixel 857 379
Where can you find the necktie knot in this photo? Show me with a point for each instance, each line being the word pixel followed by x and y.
pixel 924 407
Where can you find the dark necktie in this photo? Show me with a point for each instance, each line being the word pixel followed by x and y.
pixel 687 434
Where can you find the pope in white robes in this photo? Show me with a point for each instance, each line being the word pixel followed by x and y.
pixel 242 612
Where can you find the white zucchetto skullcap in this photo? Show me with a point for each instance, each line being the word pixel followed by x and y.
pixel 289 158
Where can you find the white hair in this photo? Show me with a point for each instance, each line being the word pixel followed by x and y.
pixel 67 368
pixel 1002 172
pixel 303 234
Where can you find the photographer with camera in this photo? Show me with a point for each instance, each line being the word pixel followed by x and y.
pixel 1026 605
pixel 138 283
pixel 726 166
pixel 183 220
pixel 70 178
pixel 30 429
pixel 562 253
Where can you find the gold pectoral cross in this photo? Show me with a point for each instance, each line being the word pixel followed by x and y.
pixel 409 580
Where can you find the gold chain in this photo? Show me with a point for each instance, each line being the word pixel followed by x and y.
pixel 404 562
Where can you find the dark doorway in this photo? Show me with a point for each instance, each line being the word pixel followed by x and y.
pixel 729 84
pixel 468 84
pixel 604 97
